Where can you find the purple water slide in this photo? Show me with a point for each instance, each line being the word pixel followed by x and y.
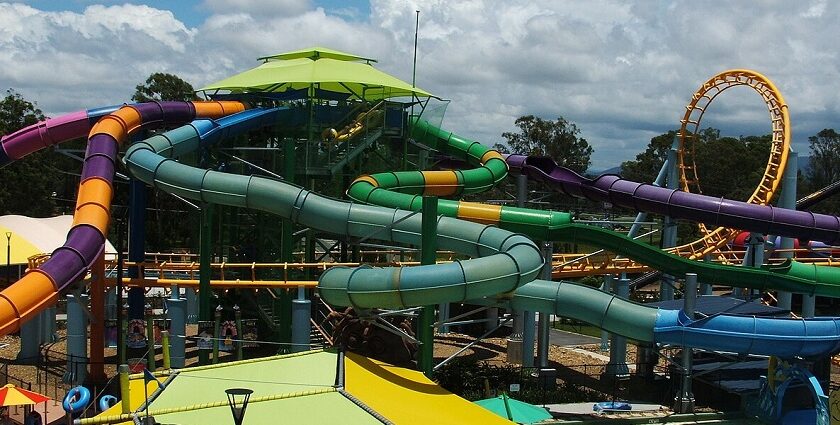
pixel 84 243
pixel 49 132
pixel 679 204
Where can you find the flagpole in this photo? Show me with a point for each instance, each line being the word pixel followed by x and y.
pixel 414 68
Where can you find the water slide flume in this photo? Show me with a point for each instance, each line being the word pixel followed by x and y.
pixel 786 338
pixel 676 203
pixel 502 261
pixel 498 250
pixel 39 288
pixel 404 189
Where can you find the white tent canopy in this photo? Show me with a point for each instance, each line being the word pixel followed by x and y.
pixel 29 236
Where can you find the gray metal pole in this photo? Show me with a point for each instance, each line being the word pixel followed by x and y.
pixel 684 402
pixel 753 257
pixel 301 326
pixel 528 317
pixel 443 316
pixel 660 179
pixel 528 334
pixel 618 344
pixel 543 340
pixel 788 200
pixel 809 304
pixel 669 230
pixel 706 288
pixel 176 309
pixel 607 286
pixel 30 339
pixel 192 305
pixel 514 341
pixel 76 339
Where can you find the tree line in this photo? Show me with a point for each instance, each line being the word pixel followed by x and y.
pixel 45 183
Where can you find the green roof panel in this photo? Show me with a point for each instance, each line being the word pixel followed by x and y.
pixel 331 70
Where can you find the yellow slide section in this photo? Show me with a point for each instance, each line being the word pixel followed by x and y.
pixel 136 398
pixel 407 397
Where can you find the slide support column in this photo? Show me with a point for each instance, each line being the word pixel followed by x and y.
pixel 684 402
pixel 617 368
pixel 177 312
pixel 428 255
pixel 606 287
pixel 514 341
pixel 669 230
pixel 788 200
pixel 543 337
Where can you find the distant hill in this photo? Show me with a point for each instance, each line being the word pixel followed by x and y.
pixel 594 173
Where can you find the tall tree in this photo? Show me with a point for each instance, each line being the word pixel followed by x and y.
pixel 29 185
pixel 17 112
pixel 648 163
pixel 162 86
pixel 169 213
pixel 557 139
pixel 825 158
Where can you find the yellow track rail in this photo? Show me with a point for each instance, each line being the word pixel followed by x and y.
pixel 714 239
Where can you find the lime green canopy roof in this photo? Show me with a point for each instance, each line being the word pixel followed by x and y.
pixel 319 68
pixel 315 53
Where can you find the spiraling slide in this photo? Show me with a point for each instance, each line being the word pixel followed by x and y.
pixel 404 189
pixel 766 219
pixel 39 288
pixel 501 261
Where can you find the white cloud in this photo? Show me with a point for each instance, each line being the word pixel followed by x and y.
pixel 622 72
pixel 259 7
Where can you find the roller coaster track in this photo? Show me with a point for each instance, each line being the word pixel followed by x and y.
pixel 714 239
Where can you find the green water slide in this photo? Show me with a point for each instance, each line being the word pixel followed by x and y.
pixel 502 267
pixel 501 261
pixel 402 190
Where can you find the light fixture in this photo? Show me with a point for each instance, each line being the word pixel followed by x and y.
pixel 238 402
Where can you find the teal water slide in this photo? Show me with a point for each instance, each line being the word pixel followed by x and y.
pixel 502 264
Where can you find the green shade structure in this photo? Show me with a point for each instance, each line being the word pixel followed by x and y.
pixel 514 410
pixel 319 69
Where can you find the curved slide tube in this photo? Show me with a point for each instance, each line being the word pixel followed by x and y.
pixel 49 132
pixel 400 287
pixel 502 260
pixel 679 204
pixel 402 190
pixel 39 288
pixel 786 338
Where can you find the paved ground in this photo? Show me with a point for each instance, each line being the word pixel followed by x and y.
pixel 567 339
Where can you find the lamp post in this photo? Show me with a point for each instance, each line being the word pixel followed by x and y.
pixel 8 257
pixel 238 402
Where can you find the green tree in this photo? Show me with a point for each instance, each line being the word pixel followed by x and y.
pixel 557 139
pixel 823 170
pixel 162 86
pixel 17 112
pixel 29 185
pixel 648 163
pixel 167 213
pixel 825 158
pixel 730 167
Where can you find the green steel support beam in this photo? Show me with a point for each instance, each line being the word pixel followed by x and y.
pixel 428 255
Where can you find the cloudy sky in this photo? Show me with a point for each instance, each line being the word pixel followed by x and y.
pixel 621 71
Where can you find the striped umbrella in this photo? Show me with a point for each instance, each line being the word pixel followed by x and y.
pixel 11 395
